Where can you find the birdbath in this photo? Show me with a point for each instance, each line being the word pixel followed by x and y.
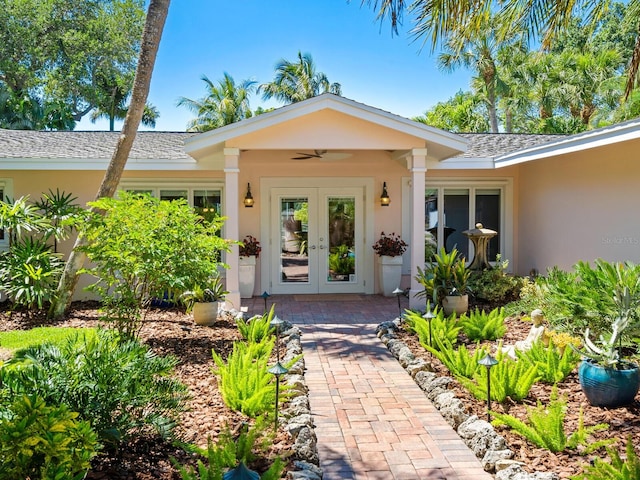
pixel 480 237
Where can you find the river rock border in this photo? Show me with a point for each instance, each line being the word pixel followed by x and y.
pixel 479 435
pixel 296 415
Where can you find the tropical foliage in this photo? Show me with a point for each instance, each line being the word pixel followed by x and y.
pixel 143 248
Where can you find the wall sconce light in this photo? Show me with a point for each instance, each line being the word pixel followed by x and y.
pixel 384 198
pixel 248 198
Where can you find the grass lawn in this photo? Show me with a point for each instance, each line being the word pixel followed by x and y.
pixel 18 339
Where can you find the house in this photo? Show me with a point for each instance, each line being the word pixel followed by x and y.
pixel 316 170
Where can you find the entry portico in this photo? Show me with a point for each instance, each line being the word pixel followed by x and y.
pixel 314 158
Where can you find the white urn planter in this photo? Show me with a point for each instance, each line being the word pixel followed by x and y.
pixel 390 273
pixel 205 313
pixel 247 274
pixel 457 304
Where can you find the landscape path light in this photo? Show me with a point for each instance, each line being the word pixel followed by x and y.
pixel 428 316
pixel 277 370
pixel 488 361
pixel 397 292
pixel 264 296
pixel 241 472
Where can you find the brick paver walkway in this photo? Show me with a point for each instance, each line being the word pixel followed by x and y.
pixel 372 421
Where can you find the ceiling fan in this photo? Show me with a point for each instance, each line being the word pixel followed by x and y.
pixel 321 154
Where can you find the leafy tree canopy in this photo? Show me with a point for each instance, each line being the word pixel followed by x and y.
pixel 53 54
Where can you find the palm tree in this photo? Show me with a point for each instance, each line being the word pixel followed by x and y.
pixel 154 25
pixel 546 18
pixel 116 91
pixel 224 104
pixel 297 81
pixel 477 53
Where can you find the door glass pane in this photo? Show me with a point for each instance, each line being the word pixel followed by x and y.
pixel 456 220
pixel 294 259
pixel 488 213
pixel 430 223
pixel 341 261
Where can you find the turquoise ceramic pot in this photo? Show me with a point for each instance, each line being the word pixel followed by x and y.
pixel 608 387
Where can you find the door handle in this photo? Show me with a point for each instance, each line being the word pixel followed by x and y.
pixel 322 247
pixel 313 247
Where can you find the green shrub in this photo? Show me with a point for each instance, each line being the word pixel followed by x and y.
pixel 29 272
pixel 508 379
pixel 38 441
pixel 460 362
pixel 617 469
pixel 245 384
pixel 545 427
pixel 552 365
pixel 479 325
pixel 494 284
pixel 228 453
pixel 586 297
pixel 121 387
pixel 441 327
pixel 143 248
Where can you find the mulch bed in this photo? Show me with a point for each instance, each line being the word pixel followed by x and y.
pixel 622 422
pixel 166 331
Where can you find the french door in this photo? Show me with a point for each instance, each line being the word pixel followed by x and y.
pixel 317 240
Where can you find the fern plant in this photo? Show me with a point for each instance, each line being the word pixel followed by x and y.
pixel 617 469
pixel 545 427
pixel 460 362
pixel 508 379
pixel 441 327
pixel 245 384
pixel 479 325
pixel 552 365
pixel 228 453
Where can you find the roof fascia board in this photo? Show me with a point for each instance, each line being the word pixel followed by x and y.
pixel 54 164
pixel 575 143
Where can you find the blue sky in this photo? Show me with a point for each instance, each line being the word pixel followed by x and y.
pixel 246 38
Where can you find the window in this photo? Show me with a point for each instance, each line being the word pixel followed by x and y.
pixel 206 198
pixel 453 207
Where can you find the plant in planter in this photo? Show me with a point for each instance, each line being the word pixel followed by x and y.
pixel 249 251
pixel 446 280
pixel 606 378
pixel 249 247
pixel 203 301
pixel 390 249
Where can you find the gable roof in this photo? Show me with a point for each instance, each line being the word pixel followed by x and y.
pixel 440 144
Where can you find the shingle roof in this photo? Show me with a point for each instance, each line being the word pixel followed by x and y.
pixel 170 145
pixel 90 145
pixel 491 145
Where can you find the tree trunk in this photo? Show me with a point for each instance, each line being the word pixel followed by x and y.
pixel 154 24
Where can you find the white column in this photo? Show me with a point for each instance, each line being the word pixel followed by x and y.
pixel 418 166
pixel 232 224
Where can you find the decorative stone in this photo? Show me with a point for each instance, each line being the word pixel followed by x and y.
pixel 418 365
pixel 305 445
pixel 454 413
pixel 492 456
